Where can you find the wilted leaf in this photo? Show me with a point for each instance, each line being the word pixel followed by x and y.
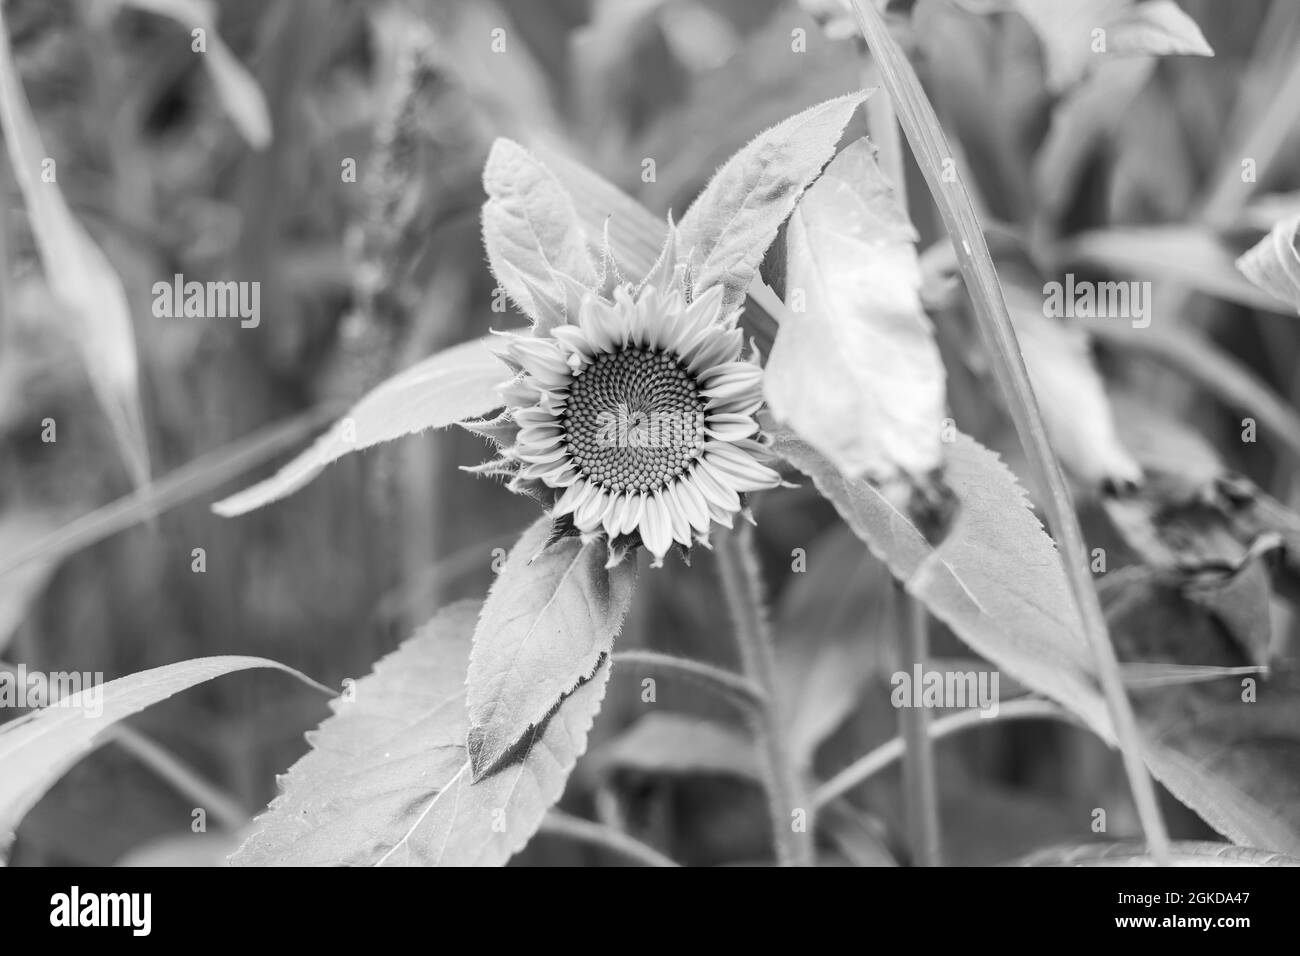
pixel 854 370
pixel 530 228
pixel 729 227
pixel 445 388
pixel 1273 263
pixel 1074 31
pixel 679 745
pixel 550 617
pixel 387 781
pixel 37 749
pixel 1070 394
pixel 997 580
pixel 88 289
pixel 1181 853
pixel 1187 255
pixel 239 93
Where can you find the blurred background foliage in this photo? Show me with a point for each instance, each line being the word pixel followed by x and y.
pixel 359 279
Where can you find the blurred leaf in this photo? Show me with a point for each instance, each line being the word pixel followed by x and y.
pixel 834 621
pixel 19 530
pixel 188 849
pixel 1267 211
pixel 997 580
pixel 1188 255
pixel 239 93
pixel 1069 33
pixel 1090 116
pixel 550 618
pixel 88 289
pixel 1070 394
pixel 38 748
pixel 445 388
pixel 387 781
pixel 1273 263
pixel 854 370
pixel 679 745
pixel 187 482
pixel 730 225
pixel 1182 853
pixel 530 229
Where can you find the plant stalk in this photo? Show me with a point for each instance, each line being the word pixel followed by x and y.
pixel 930 145
pixel 789 804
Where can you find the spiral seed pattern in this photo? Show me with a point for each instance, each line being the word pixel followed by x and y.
pixel 634 420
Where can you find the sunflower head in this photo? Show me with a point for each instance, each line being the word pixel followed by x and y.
pixel 632 414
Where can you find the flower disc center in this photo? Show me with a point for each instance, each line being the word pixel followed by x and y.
pixel 634 420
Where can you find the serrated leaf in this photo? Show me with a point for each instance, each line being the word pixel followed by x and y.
pixel 997 580
pixel 679 745
pixel 1228 748
pixel 854 370
pixel 1181 853
pixel 37 749
pixel 89 291
pixel 530 229
pixel 730 225
pixel 550 617
pixel 460 382
pixel 1273 263
pixel 1073 400
pixel 388 782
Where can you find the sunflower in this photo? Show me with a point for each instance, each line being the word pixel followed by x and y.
pixel 634 413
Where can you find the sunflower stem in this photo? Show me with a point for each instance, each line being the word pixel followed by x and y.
pixel 788 803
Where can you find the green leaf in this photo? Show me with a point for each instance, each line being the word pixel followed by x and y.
pixel 1273 263
pixel 388 782
pixel 92 301
pixel 455 384
pixel 37 749
pixel 729 227
pixel 854 370
pixel 679 745
pixel 530 230
pixel 997 580
pixel 1182 853
pixel 551 616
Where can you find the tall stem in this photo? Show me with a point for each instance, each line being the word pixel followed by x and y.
pixel 920 789
pixel 930 146
pixel 788 802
